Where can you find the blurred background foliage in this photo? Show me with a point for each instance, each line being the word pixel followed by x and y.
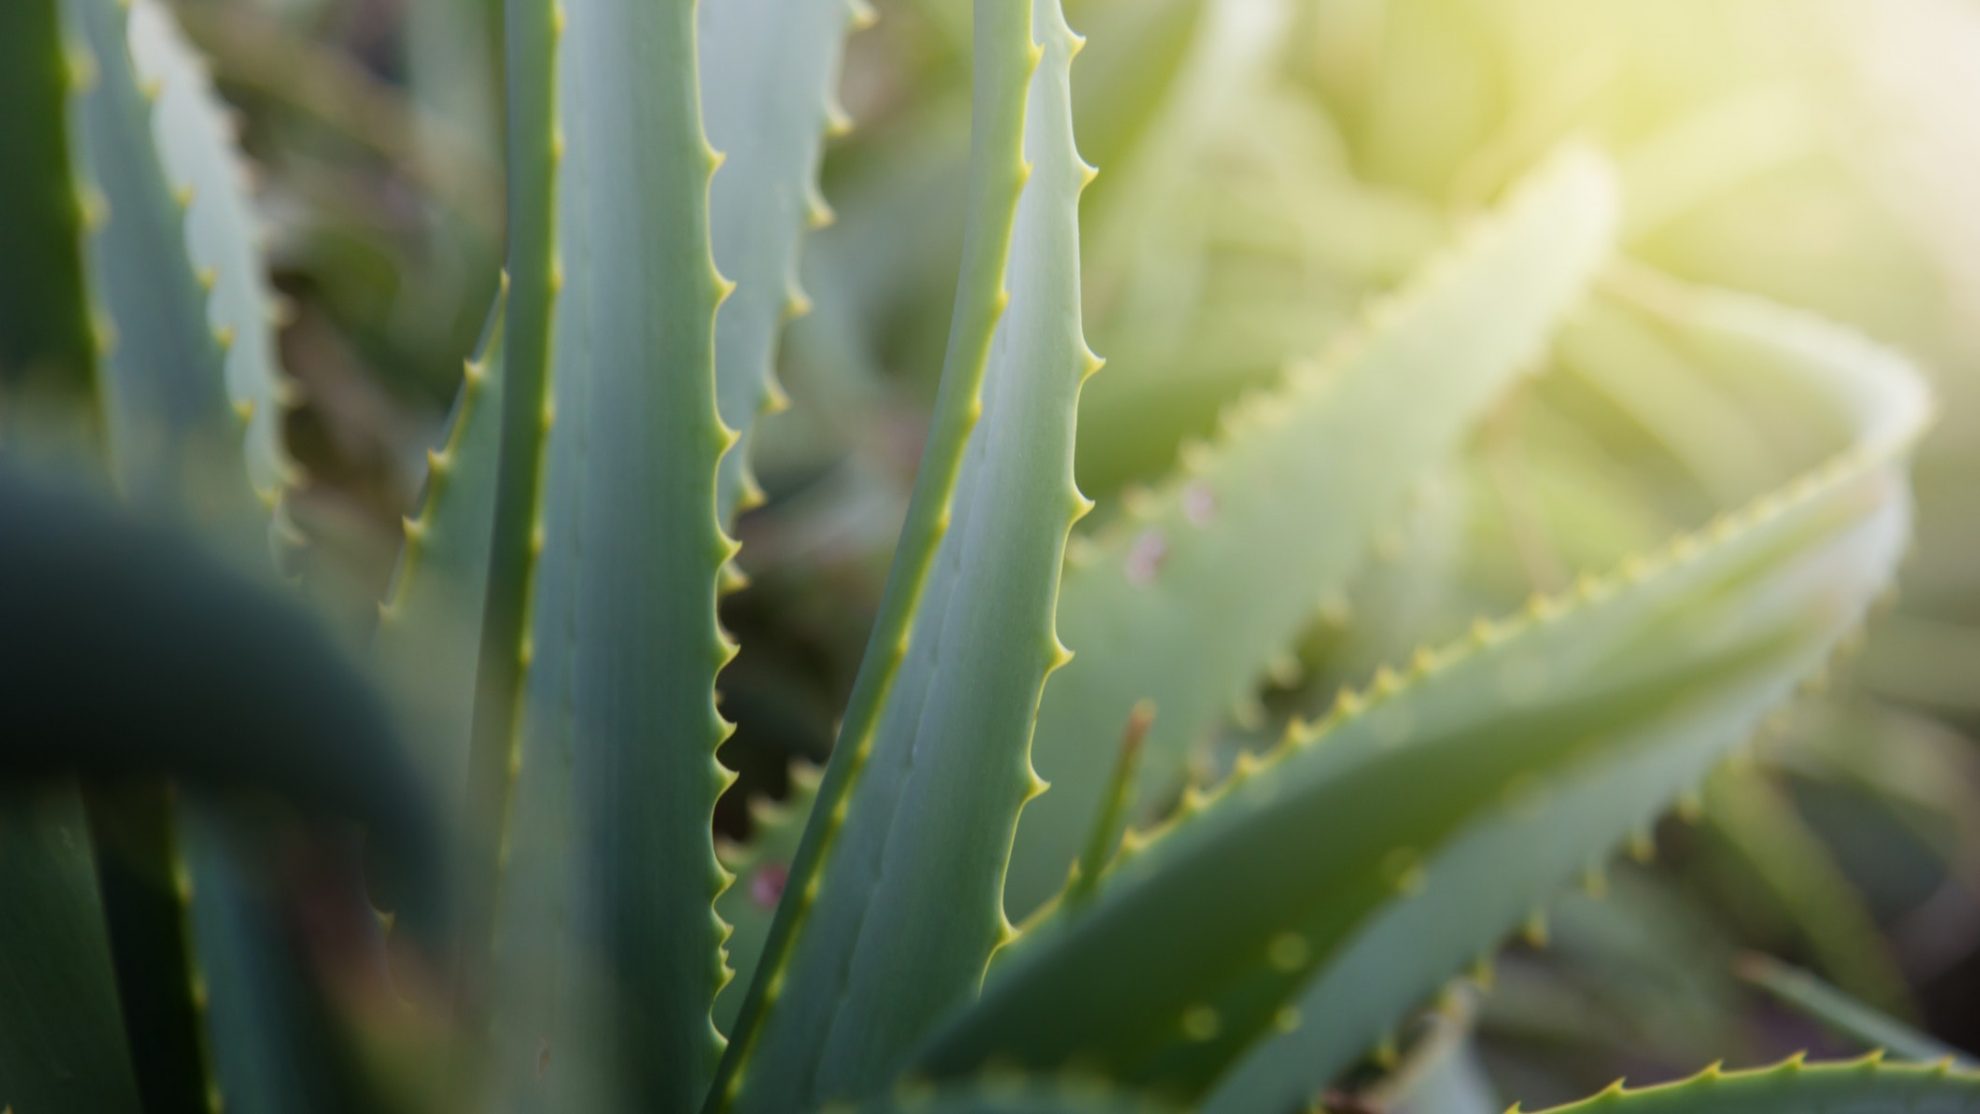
pixel 1268 165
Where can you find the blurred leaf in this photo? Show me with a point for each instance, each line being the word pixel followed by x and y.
pixel 1187 599
pixel 1350 859
pixel 1794 1087
pixel 46 344
pixel 1809 995
pixel 62 1033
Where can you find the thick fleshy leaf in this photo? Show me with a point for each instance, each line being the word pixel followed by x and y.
pixel 1322 894
pixel 62 1034
pixel 175 287
pixel 173 434
pixel 594 708
pixel 195 146
pixel 429 628
pixel 207 668
pixel 1189 598
pixel 46 346
pixel 894 903
pixel 762 868
pixel 769 70
pixel 62 1043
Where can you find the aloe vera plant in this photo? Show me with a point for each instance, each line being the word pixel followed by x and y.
pixel 525 770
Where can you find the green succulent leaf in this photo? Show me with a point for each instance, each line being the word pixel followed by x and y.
pixel 207 672
pixel 1322 894
pixel 1867 1086
pixel 1191 598
pixel 46 344
pixel 139 871
pixel 762 867
pixel 769 78
pixel 173 274
pixel 208 669
pixel 62 1042
pixel 195 145
pixel 430 626
pixel 594 708
pixel 1809 995
pixel 62 1034
pixel 932 766
pixel 270 1046
pixel 174 436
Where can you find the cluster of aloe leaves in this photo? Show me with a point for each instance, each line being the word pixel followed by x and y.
pixel 535 794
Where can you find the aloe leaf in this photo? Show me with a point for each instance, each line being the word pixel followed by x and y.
pixel 46 346
pixel 195 145
pixel 1190 598
pixel 761 202
pixel 62 1039
pixel 932 765
pixel 174 435
pixel 1321 895
pixel 138 870
pixel 599 643
pixel 1867 1086
pixel 177 440
pixel 762 867
pixel 1810 996
pixel 206 670
pixel 429 626
pixel 770 70
pixel 62 1034
pixel 247 977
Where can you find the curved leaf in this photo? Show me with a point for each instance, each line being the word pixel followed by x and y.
pixel 430 626
pixel 173 435
pixel 62 1041
pixel 1190 599
pixel 1321 895
pixel 208 670
pixel 176 439
pixel 195 145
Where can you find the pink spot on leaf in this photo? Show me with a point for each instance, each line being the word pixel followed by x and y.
pixel 1144 558
pixel 1199 503
pixel 766 887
